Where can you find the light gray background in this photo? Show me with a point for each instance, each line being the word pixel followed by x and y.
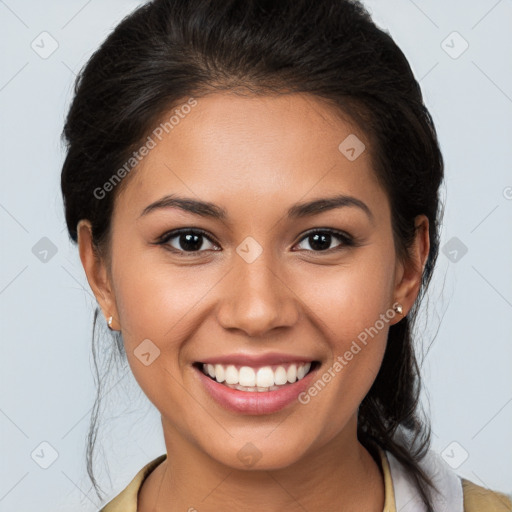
pixel 46 307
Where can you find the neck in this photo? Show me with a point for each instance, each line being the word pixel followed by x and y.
pixel 341 475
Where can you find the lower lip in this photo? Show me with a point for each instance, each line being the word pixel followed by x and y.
pixel 248 402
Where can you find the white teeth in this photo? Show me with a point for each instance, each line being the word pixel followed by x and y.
pixel 220 374
pixel 263 379
pixel 231 375
pixel 251 389
pixel 280 377
pixel 246 377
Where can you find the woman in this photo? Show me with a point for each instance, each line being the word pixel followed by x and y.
pixel 253 187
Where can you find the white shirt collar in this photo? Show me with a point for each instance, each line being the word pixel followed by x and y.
pixel 407 498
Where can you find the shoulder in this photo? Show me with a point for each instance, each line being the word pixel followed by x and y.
pixel 126 500
pixel 480 499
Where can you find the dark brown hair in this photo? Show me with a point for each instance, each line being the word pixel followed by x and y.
pixel 167 50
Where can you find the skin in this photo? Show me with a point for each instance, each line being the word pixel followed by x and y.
pixel 292 299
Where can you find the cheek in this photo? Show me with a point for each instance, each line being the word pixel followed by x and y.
pixel 156 311
pixel 155 300
pixel 353 304
pixel 351 298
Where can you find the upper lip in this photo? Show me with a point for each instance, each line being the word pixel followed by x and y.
pixel 272 358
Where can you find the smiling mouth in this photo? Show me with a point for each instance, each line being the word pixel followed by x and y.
pixel 257 379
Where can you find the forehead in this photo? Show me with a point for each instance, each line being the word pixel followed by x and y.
pixel 272 150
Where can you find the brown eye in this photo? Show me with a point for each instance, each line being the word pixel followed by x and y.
pixel 322 240
pixel 187 241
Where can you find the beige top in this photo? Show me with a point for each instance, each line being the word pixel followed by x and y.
pixel 476 498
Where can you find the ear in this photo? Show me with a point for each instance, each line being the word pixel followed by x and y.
pixel 97 273
pixel 409 273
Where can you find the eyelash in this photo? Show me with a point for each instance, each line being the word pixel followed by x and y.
pixel 347 240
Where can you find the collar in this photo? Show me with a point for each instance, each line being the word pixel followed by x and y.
pixel 402 494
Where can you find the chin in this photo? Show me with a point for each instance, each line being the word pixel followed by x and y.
pixel 262 453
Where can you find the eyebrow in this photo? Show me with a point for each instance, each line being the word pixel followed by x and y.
pixel 300 210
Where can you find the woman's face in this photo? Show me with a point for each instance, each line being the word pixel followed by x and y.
pixel 271 285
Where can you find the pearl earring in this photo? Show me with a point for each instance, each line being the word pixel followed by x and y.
pixel 397 308
pixel 109 323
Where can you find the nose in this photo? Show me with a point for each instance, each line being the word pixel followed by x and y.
pixel 257 298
